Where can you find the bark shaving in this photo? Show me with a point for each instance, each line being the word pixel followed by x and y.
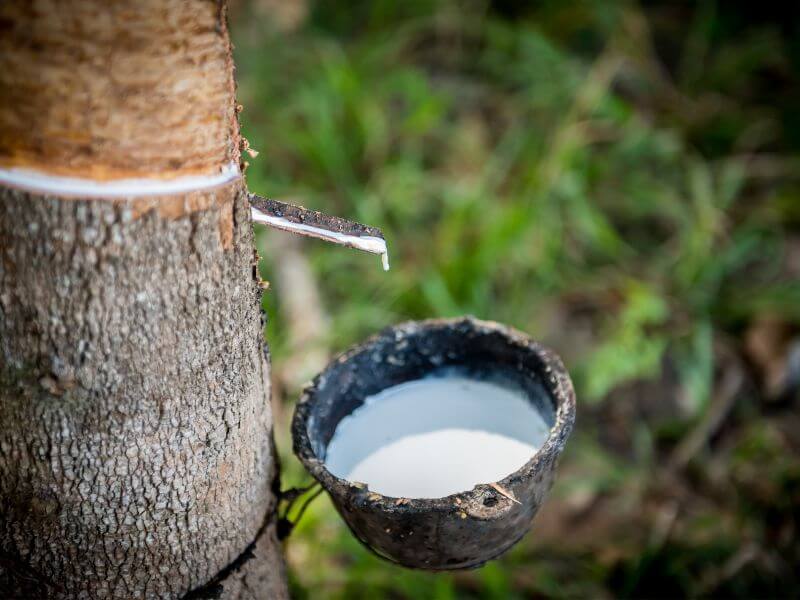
pixel 136 458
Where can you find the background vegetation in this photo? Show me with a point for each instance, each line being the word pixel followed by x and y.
pixel 620 180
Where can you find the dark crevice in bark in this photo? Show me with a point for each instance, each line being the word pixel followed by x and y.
pixel 213 589
pixel 24 577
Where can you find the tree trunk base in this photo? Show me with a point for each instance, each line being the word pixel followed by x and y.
pixel 257 574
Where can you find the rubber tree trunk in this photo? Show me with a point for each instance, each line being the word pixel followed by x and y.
pixel 136 454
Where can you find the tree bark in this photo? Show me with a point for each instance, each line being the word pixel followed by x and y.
pixel 136 453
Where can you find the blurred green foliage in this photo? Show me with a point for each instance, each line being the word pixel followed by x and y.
pixel 621 181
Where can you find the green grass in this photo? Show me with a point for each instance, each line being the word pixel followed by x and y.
pixel 622 184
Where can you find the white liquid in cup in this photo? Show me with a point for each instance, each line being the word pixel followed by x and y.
pixel 436 436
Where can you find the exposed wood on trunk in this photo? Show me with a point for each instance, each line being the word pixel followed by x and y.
pixel 116 89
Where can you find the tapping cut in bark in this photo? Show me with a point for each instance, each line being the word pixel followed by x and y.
pixel 77 187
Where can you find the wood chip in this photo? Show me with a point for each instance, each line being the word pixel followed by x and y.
pixel 504 492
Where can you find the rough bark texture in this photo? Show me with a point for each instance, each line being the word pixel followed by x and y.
pixel 135 428
pixel 101 89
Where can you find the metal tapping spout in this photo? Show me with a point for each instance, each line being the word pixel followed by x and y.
pixel 312 223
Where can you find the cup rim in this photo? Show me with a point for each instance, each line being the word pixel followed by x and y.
pixel 555 379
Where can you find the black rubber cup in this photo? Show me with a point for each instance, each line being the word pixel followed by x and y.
pixel 462 530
